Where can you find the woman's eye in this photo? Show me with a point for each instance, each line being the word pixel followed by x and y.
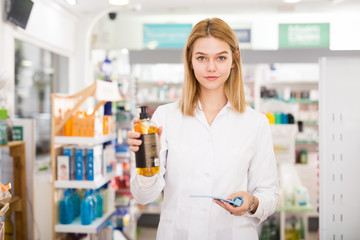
pixel 221 58
pixel 201 58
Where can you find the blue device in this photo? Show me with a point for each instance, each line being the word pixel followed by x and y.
pixel 236 202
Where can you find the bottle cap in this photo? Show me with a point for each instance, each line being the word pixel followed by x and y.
pixel 144 114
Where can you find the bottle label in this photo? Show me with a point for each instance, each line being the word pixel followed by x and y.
pixel 147 156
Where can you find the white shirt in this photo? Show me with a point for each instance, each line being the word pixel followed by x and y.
pixel 234 154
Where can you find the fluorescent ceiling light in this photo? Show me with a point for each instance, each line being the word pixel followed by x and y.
pixel 71 2
pixel 336 1
pixel 291 1
pixel 119 2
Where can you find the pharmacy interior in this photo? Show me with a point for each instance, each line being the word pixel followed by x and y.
pixel 72 78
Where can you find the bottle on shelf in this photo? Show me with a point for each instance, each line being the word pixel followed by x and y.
pixel 147 158
pixel 94 205
pixel 66 208
pixel 76 202
pixel 86 209
pixel 100 202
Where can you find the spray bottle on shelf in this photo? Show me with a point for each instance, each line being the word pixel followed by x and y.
pixel 147 158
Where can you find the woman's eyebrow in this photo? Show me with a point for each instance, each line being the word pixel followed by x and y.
pixel 201 53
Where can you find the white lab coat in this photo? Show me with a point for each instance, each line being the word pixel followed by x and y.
pixel 234 154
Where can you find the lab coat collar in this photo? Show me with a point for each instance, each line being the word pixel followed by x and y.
pixel 199 106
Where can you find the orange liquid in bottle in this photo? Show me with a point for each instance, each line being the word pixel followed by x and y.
pixel 147 158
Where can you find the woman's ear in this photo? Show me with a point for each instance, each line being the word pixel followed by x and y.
pixel 237 55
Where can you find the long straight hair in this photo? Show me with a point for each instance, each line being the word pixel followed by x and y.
pixel 234 89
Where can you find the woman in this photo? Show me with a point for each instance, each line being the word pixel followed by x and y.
pixel 212 143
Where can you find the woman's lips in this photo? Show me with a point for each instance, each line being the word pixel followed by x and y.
pixel 211 78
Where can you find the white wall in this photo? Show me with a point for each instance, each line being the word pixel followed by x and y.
pixel 344 28
pixel 49 27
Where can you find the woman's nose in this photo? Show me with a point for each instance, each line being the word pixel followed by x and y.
pixel 210 66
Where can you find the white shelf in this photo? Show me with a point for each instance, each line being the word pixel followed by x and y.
pixel 84 140
pixel 77 227
pixel 84 184
pixel 295 82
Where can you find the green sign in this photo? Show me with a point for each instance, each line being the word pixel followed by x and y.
pixel 17 133
pixel 166 35
pixel 314 35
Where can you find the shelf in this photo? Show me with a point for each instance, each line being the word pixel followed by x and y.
pixel 307 208
pixel 84 184
pixel 84 140
pixel 12 144
pixel 159 83
pixel 309 122
pixel 157 102
pixel 76 227
pixel 302 82
pixel 304 101
pixel 306 142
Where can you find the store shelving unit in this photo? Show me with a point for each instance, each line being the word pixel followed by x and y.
pixel 103 92
pixel 77 227
pixel 97 183
pixel 19 200
pixel 302 210
pixel 84 140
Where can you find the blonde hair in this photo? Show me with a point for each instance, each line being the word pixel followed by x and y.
pixel 234 89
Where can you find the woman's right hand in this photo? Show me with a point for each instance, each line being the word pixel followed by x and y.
pixel 133 138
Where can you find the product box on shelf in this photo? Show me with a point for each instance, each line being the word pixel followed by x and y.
pixel 80 163
pixel 93 161
pixel 108 160
pixel 63 168
pixel 70 152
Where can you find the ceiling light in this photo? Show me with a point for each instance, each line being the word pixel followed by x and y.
pixel 336 1
pixel 71 2
pixel 119 2
pixel 291 1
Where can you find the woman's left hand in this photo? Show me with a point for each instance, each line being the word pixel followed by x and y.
pixel 241 210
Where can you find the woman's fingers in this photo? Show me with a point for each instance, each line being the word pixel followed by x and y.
pixel 160 129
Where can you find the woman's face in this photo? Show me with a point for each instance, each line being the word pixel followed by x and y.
pixel 211 62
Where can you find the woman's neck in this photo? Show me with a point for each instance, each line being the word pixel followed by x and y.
pixel 211 103
pixel 213 100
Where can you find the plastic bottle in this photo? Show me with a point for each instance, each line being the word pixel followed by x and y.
pixel 147 158
pixel 271 117
pixel 94 201
pixel 284 118
pixel 86 209
pixel 66 209
pixel 99 202
pixel 76 201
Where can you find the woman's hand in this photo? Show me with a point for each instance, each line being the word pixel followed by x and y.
pixel 133 138
pixel 238 211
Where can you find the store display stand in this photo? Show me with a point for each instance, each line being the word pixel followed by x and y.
pixel 19 200
pixel 103 92
pixel 339 148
